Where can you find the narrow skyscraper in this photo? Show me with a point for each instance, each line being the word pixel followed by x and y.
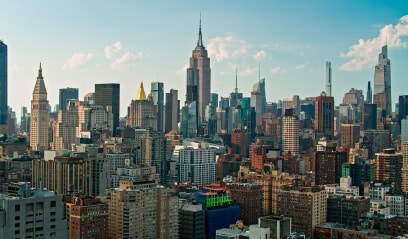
pixel 382 82
pixel 157 90
pixel 3 87
pixel 172 111
pixel 40 116
pixel 200 61
pixel 328 78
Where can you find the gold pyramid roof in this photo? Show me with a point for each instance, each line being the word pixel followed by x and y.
pixel 141 95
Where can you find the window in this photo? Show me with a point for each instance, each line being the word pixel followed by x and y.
pixel 53 203
pixel 17 207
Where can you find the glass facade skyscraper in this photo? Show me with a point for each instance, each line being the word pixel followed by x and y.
pixel 3 84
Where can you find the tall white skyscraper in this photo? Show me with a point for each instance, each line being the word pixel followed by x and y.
pixel 328 79
pixel 198 166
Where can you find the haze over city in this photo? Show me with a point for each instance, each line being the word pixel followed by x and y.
pixel 83 43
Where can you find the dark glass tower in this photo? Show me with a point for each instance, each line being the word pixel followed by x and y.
pixel 3 83
pixel 66 94
pixel 109 95
pixel 157 90
pixel 402 107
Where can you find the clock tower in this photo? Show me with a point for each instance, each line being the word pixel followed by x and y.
pixel 40 116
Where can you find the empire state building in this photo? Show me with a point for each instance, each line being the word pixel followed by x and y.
pixel 200 66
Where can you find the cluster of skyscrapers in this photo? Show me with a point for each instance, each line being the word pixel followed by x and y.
pixel 209 167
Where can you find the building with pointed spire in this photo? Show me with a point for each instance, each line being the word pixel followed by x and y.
pixel 235 96
pixel 200 62
pixel 140 113
pixel 369 97
pixel 3 87
pixel 40 116
pixel 382 82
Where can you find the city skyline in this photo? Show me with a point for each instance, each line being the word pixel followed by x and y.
pixel 150 42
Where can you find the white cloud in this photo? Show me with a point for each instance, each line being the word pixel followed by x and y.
pixel 364 54
pixel 278 70
pixel 301 66
pixel 127 60
pixel 77 60
pixel 112 50
pixel 226 47
pixel 260 55
pixel 182 71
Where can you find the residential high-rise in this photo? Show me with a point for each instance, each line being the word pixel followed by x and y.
pixel 388 166
pixel 172 111
pixel 39 122
pixel 198 166
pixel 346 209
pixel 3 86
pixel 306 206
pixel 157 91
pixel 87 217
pixel 382 82
pixel 328 166
pixel 66 94
pixel 201 63
pixel 138 210
pixel 350 134
pixel 154 151
pixel 141 111
pixel 249 197
pixel 32 214
pixel 63 174
pixel 324 115
pixel 290 133
pixel 404 170
pixel 328 78
pixel 109 95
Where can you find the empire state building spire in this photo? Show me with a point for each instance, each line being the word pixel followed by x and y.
pixel 200 37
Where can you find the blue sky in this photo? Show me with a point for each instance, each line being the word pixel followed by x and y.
pixel 81 43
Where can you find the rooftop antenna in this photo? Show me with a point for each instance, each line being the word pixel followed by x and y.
pixel 259 69
pixel 236 80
